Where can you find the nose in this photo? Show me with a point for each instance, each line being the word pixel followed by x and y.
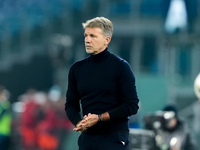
pixel 87 39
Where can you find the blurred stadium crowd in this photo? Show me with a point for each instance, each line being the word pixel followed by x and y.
pixel 37 121
pixel 40 39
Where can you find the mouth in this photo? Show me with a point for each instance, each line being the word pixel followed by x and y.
pixel 88 46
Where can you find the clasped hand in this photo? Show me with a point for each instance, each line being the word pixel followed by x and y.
pixel 87 122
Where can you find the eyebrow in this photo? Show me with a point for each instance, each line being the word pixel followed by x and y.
pixel 89 34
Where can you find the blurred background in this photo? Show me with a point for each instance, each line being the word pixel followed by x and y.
pixel 40 39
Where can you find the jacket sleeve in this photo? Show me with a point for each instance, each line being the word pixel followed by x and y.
pixel 72 105
pixel 128 94
pixel 189 142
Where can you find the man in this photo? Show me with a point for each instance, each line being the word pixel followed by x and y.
pixel 174 135
pixel 105 86
pixel 5 118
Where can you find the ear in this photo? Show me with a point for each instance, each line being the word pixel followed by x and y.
pixel 107 40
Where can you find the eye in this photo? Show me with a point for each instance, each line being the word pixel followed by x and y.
pixel 92 35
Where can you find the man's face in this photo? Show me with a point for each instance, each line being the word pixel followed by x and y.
pixel 95 41
pixel 171 123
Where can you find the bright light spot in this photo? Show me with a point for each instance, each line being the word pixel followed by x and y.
pixel 197 86
pixel 176 17
pixel 18 107
pixel 169 115
pixel 173 141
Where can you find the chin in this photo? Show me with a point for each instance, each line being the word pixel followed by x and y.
pixel 89 51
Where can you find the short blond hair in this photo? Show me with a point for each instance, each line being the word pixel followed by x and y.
pixel 101 22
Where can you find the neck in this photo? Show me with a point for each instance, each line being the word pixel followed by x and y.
pixel 100 56
pixel 97 52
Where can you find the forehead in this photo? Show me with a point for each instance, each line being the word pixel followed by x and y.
pixel 95 30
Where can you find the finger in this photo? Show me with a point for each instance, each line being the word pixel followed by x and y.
pixel 80 129
pixel 76 130
pixel 84 121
